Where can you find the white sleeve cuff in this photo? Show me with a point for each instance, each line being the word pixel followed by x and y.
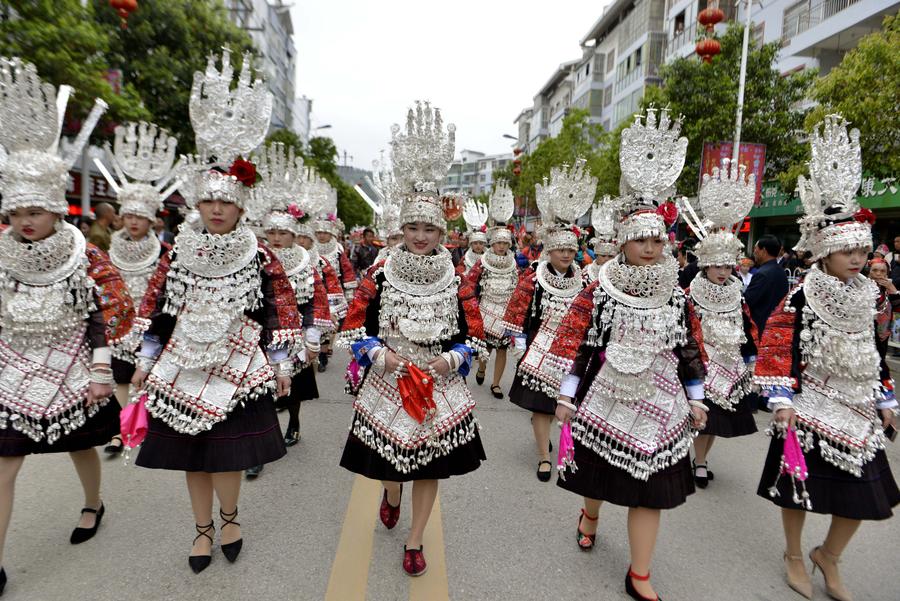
pixel 886 404
pixel 569 385
pixel 150 348
pixel 373 352
pixel 313 335
pixel 277 355
pixel 102 355
pixel 695 392
pixel 780 402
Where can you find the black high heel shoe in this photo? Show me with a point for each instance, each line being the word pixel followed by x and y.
pixel 231 550
pixel 80 535
pixel 199 563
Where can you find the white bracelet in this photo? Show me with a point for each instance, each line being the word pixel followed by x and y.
pixel 566 404
pixel 284 368
pixel 145 364
pixel 451 359
pixel 698 405
pixel 102 375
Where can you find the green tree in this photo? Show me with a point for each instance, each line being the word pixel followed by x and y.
pixel 165 43
pixel 864 88
pixel 706 95
pixel 67 45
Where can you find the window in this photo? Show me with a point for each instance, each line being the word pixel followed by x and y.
pixel 610 61
pixel 679 24
pixel 587 69
pixel 482 177
pixel 758 36
pixel 607 97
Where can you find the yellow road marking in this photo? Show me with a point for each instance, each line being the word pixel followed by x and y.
pixel 433 585
pixel 350 569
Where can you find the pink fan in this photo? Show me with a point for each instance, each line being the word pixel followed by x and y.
pixel 133 424
pixel 353 377
pixel 566 457
pixel 793 465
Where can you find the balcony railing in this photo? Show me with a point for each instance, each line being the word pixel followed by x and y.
pixel 808 17
pixel 681 39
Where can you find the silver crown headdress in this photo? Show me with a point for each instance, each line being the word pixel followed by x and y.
pixel 651 157
pixel 141 155
pixel 421 157
pixel 829 195
pixel 476 215
pixel 389 197
pixel 228 123
pixel 275 198
pixel 725 197
pixel 562 199
pixel 502 205
pixel 31 116
pixel 603 218
pixel 324 198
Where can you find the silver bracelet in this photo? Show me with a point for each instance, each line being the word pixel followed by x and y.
pixel 698 404
pixel 284 368
pixel 145 364
pixel 566 404
pixel 101 375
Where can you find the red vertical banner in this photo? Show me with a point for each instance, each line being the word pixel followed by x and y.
pixel 752 156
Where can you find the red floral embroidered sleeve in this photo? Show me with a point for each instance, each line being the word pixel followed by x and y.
pixel 517 309
pixel 282 327
pixel 774 365
pixel 321 311
pixel 354 327
pixel 111 295
pixel 336 300
pixel 473 276
pixel 348 275
pixel 696 328
pixel 474 323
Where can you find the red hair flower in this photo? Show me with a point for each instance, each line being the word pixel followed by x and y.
pixel 483 229
pixel 865 216
pixel 576 231
pixel 244 171
pixel 331 217
pixel 295 211
pixel 669 212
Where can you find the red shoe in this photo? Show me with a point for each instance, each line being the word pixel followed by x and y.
pixel 586 541
pixel 414 561
pixel 389 514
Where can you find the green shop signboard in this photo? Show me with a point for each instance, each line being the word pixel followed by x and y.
pixel 874 193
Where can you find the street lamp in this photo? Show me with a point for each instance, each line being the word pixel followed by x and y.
pixel 511 137
pixel 322 127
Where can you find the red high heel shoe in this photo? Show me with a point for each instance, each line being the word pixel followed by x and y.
pixel 632 592
pixel 585 541
pixel 389 514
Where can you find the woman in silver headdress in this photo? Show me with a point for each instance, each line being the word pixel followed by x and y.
pixel 604 240
pixel 412 315
pixel 820 367
pixel 62 305
pixel 626 363
pixel 219 320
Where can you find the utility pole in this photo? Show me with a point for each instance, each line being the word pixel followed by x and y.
pixel 735 152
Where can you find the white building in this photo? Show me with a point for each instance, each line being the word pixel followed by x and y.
pixel 473 172
pixel 301 121
pixel 269 24
pixel 812 33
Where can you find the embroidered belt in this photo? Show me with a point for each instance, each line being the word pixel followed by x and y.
pixel 492 315
pixel 193 399
pixel 46 384
pixel 641 437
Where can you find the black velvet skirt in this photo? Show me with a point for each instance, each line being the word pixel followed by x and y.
pixel 730 424
pixel 595 478
pixel 529 399
pixel 122 371
pixel 360 459
pixel 833 491
pixel 97 430
pixel 250 436
pixel 303 388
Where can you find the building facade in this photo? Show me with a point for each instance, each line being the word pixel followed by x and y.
pixel 473 173
pixel 269 24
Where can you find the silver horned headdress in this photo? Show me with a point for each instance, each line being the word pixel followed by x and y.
pixel 603 219
pixel 651 157
pixel 390 197
pixel 833 220
pixel 725 197
pixel 229 123
pixel 562 199
pixel 476 215
pixel 421 157
pixel 502 205
pixel 141 154
pixel 275 198
pixel 32 172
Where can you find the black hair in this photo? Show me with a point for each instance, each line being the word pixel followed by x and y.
pixel 368 230
pixel 770 244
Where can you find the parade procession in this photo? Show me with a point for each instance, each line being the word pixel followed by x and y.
pixel 643 349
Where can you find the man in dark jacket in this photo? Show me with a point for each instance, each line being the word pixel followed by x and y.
pixel 769 284
pixel 364 254
pixel 895 262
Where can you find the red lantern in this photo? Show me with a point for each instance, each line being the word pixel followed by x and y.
pixel 707 48
pixel 517 151
pixel 124 8
pixel 517 163
pixel 517 171
pixel 709 16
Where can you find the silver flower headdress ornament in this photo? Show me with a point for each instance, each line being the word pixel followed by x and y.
pixel 833 220
pixel 603 219
pixel 562 199
pixel 229 123
pixel 476 216
pixel 32 172
pixel 389 196
pixel 277 194
pixel 651 157
pixel 141 155
pixel 502 205
pixel 421 157
pixel 726 197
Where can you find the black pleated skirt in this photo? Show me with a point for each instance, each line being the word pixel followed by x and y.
pixel 122 371
pixel 303 388
pixel 529 399
pixel 595 478
pixel 97 430
pixel 833 491
pixel 730 424
pixel 250 436
pixel 360 459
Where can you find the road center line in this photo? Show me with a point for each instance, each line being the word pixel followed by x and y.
pixel 350 568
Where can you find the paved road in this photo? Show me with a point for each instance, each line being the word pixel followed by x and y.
pixel 311 531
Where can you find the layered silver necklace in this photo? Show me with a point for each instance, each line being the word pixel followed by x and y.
pixel 136 260
pixel 299 270
pixel 720 309
pixel 471 258
pixel 500 277
pixel 331 253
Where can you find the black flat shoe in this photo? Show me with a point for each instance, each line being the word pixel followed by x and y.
pixel 544 476
pixel 253 473
pixel 80 535
pixel 2 580
pixel 292 436
pixel 632 592
pixel 115 446
pixel 479 378
pixel 496 391
pixel 199 563
pixel 701 481
pixel 231 550
pixel 323 363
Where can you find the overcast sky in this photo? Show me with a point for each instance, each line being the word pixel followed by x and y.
pixel 364 62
